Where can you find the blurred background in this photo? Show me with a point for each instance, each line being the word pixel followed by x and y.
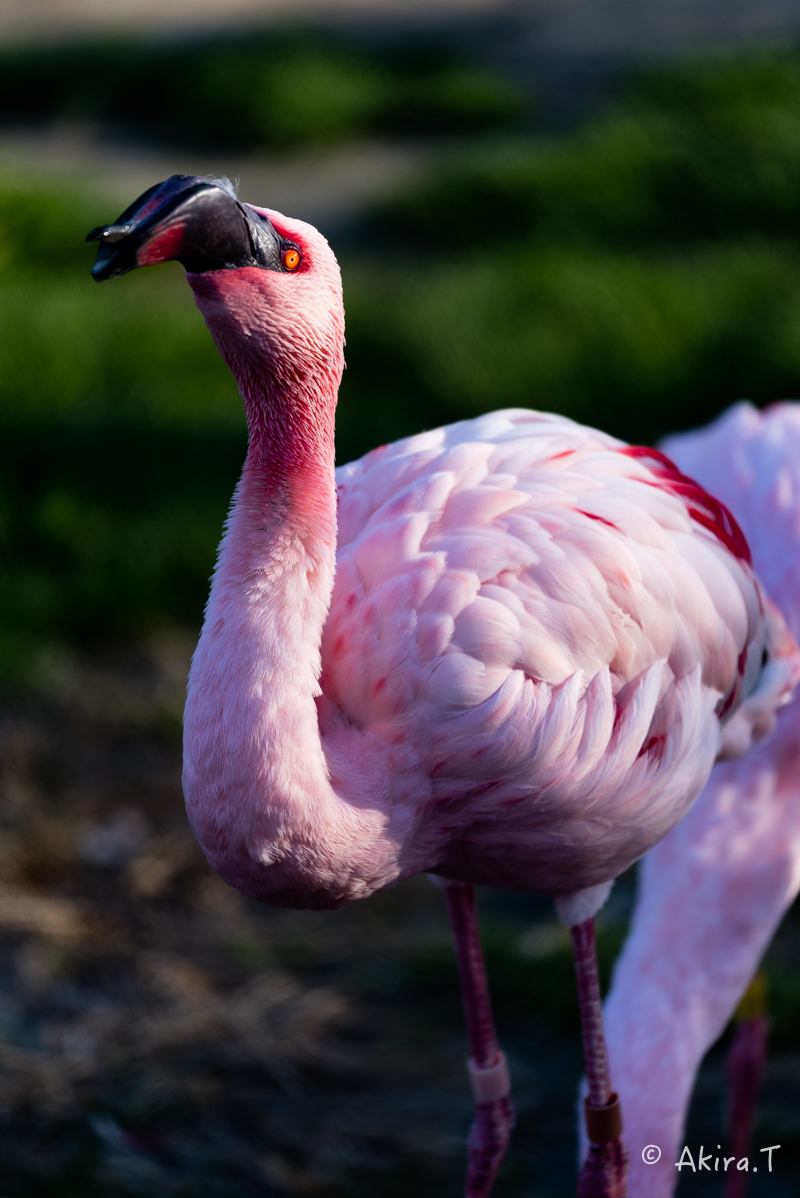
pixel 587 206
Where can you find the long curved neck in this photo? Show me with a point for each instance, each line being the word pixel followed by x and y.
pixel 281 815
pixel 274 577
pixel 253 754
pixel 282 526
pixel 276 567
pixel 289 471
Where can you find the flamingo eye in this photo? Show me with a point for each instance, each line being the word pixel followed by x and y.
pixel 290 259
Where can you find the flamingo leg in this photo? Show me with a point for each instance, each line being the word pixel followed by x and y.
pixel 604 1171
pixel 494 1114
pixel 746 1062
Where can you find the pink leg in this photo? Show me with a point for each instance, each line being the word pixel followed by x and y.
pixel 494 1115
pixel 604 1171
pixel 746 1061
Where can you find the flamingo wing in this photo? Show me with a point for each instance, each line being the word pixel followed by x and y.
pixel 555 622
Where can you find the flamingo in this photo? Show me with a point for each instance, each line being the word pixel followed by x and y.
pixel 713 892
pixel 503 652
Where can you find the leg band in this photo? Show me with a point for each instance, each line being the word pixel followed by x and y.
pixel 603 1123
pixel 490 1083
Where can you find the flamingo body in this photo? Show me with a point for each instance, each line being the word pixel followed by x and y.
pixel 533 610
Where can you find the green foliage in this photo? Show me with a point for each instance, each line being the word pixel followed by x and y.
pixel 121 437
pixel 284 90
pixel 636 344
pixel 639 274
pixel 701 153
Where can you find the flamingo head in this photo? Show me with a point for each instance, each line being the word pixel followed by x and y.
pixel 268 286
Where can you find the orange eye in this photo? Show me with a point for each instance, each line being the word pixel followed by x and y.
pixel 290 259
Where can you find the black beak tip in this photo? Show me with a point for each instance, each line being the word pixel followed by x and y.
pixel 114 251
pixel 110 266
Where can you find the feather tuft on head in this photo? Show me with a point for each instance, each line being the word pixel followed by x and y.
pixel 226 185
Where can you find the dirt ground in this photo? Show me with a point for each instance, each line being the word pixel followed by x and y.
pixel 161 1035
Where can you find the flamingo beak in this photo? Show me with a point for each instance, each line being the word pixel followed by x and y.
pixel 195 221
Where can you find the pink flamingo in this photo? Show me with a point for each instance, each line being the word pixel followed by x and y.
pixel 506 660
pixel 712 893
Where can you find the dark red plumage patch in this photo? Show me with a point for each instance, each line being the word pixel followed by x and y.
pixel 703 508
pixel 726 704
pixel 599 519
pixel 654 745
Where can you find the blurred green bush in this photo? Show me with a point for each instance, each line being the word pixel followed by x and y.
pixel 639 274
pixel 121 437
pixel 268 90
pixel 696 154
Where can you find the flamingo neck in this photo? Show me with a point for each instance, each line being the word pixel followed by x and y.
pixel 281 814
pixel 287 493
pixel 253 761
pixel 277 559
